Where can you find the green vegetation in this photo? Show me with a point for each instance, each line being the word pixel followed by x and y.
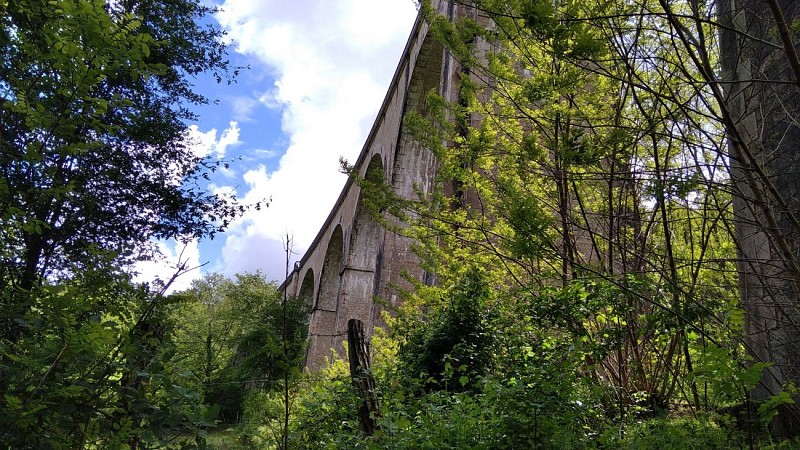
pixel 94 168
pixel 230 345
pixel 613 233
pixel 595 233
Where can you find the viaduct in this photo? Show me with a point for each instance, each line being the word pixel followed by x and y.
pixel 354 260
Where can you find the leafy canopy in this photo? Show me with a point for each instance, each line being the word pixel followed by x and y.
pixel 94 152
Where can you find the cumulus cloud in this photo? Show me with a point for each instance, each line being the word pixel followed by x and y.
pixel 332 63
pixel 206 143
pixel 246 252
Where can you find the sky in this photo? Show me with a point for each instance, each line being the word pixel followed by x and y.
pixel 316 74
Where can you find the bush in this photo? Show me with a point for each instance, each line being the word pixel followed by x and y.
pixel 455 348
pixel 679 434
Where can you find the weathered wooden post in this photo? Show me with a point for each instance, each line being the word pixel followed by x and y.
pixel 362 377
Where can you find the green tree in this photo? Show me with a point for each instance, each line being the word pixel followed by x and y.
pixel 646 144
pixel 567 180
pixel 584 167
pixel 95 164
pixel 90 370
pixel 625 174
pixel 207 326
pixel 95 155
pixel 452 349
pixel 230 338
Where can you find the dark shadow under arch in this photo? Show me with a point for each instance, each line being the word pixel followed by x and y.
pixel 321 329
pixel 329 280
pixel 306 294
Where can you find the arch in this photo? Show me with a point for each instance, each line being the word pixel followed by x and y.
pixel 427 75
pixel 364 238
pixel 323 315
pixel 329 279
pixel 306 294
pixel 359 273
pixel 375 172
pixel 413 165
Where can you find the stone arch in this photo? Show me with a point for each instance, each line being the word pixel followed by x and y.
pixel 321 329
pixel 329 278
pixel 362 261
pixel 306 294
pixel 364 239
pixel 413 165
pixel 427 75
pixel 363 246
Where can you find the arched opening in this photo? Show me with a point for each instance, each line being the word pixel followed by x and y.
pixel 414 164
pixel 413 167
pixel 306 294
pixel 323 315
pixel 329 281
pixel 359 274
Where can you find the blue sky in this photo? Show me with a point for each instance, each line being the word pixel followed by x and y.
pixel 318 72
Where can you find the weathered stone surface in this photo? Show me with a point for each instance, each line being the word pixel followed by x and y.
pixel 353 259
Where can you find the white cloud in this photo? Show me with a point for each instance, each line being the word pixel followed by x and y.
pixel 229 138
pixel 252 252
pixel 270 99
pixel 206 143
pixel 263 153
pixel 332 63
pixel 243 108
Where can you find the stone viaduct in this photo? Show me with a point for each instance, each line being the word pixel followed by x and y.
pixel 353 260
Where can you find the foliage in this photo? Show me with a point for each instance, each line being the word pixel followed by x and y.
pixel 680 434
pixel 453 348
pixel 90 370
pixel 592 189
pixel 230 334
pixel 95 164
pixel 547 408
pixel 584 162
pixel 96 157
pixel 324 414
pixel 601 197
pixel 263 416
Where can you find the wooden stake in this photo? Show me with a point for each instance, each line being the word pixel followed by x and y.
pixel 361 375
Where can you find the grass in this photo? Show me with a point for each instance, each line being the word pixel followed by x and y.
pixel 224 439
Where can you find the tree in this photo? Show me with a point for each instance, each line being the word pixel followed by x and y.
pixel 453 347
pixel 95 156
pixel 629 139
pixel 585 164
pixel 207 326
pixel 230 339
pixel 744 58
pixel 582 164
pixel 95 164
pixel 625 174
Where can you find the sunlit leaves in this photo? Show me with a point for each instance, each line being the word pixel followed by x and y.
pixel 94 164
pixel 94 119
